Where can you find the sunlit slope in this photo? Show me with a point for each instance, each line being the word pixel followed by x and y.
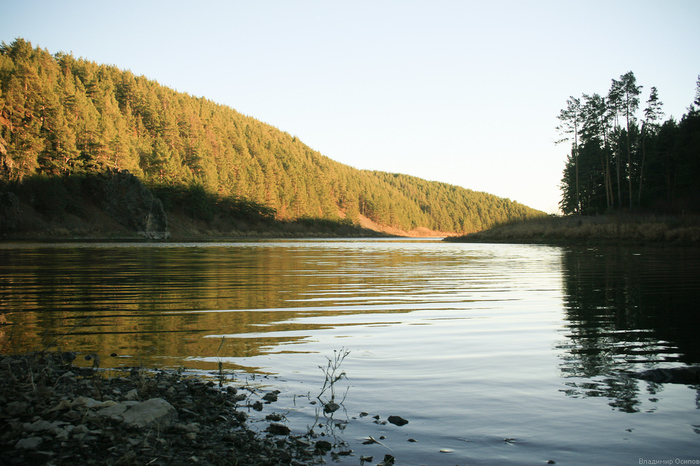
pixel 61 115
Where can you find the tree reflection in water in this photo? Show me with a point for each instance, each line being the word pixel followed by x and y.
pixel 628 310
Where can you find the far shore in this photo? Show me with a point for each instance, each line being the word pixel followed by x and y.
pixel 95 225
pixel 604 229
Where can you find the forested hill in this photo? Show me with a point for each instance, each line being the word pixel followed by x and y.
pixel 63 116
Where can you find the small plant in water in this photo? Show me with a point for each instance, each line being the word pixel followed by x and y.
pixel 333 375
pixel 329 402
pixel 221 374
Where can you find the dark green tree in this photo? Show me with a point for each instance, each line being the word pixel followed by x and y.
pixel 629 98
pixel 650 127
pixel 571 118
pixel 661 158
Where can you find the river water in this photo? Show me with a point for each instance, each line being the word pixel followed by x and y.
pixel 495 354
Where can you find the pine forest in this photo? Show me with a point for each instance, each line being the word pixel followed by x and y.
pixel 63 117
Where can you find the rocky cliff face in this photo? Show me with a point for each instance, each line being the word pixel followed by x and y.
pixel 126 200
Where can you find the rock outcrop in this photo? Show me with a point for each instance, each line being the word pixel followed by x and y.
pixel 9 212
pixel 126 200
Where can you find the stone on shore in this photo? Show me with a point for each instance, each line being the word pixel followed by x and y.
pixel 155 411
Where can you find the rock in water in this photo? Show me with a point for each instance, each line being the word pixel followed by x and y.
pixel 331 407
pixel 278 429
pixel 397 420
pixel 130 203
pixel 323 446
pixel 683 375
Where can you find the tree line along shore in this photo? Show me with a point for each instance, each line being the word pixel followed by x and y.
pixel 625 157
pixel 629 178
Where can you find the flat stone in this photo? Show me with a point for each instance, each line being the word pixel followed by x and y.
pixel 42 425
pixel 149 412
pixel 85 402
pixel 116 411
pixel 28 443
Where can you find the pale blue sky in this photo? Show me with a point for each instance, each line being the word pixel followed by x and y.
pixel 465 92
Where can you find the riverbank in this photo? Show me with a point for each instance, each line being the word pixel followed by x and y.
pixel 54 412
pixel 118 206
pixel 91 223
pixel 612 229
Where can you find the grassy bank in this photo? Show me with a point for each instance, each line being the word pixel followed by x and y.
pixel 614 229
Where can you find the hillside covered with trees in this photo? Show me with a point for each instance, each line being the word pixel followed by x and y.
pixel 624 161
pixel 62 118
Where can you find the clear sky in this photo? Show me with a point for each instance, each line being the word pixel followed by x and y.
pixel 465 92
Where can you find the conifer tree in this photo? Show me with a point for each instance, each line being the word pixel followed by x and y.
pixel 652 115
pixel 571 118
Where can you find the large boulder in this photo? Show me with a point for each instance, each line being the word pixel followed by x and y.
pixel 129 202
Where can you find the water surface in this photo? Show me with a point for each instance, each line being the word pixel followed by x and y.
pixel 495 354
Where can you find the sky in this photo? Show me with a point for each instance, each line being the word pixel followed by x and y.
pixel 464 92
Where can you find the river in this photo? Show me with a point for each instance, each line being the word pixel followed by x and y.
pixel 494 354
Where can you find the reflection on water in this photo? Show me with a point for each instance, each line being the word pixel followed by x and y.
pixel 150 300
pixel 627 310
pixel 473 344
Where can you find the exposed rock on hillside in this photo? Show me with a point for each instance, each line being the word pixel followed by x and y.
pixel 126 200
pixel 9 211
